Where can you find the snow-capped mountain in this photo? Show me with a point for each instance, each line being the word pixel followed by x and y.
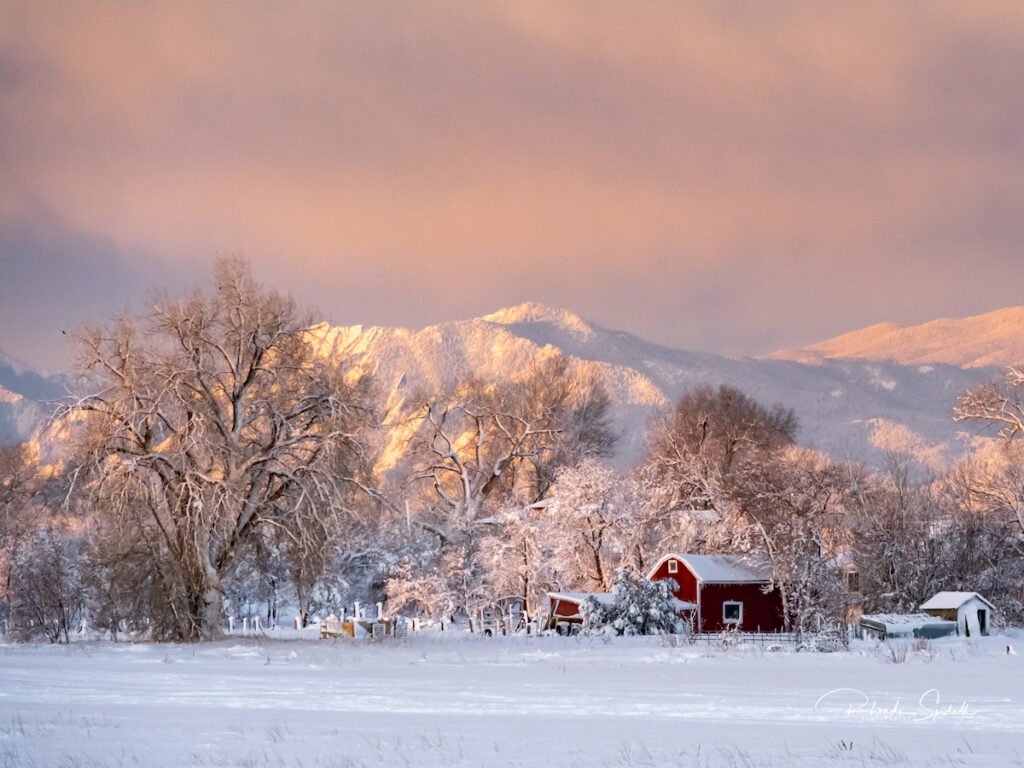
pixel 26 398
pixel 995 338
pixel 848 408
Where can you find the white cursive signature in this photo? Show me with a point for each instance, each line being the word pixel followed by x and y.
pixel 853 702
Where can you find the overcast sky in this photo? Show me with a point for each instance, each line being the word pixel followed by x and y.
pixel 735 177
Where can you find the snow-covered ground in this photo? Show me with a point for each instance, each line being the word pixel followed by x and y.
pixel 461 700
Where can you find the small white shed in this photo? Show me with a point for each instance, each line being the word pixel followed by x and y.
pixel 971 612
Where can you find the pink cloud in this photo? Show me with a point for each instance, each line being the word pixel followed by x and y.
pixel 654 167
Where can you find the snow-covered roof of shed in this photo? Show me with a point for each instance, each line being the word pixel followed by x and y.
pixel 951 601
pixel 604 598
pixel 902 621
pixel 723 569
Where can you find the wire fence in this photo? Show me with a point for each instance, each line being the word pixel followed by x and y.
pixel 761 639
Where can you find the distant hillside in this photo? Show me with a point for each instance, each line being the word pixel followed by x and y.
pixel 26 398
pixel 849 409
pixel 996 338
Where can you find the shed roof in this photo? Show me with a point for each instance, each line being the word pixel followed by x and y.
pixel 723 569
pixel 951 601
pixel 605 598
pixel 902 620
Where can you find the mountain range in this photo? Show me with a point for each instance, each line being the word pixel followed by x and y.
pixel 857 396
pixel 995 338
pixel 26 399
pixel 851 407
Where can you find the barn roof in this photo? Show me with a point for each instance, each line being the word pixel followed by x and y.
pixel 606 598
pixel 723 569
pixel 951 601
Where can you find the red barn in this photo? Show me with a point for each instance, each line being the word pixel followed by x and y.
pixel 730 591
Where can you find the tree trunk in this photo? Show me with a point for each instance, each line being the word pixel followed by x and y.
pixel 212 603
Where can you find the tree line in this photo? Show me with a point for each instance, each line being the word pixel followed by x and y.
pixel 212 458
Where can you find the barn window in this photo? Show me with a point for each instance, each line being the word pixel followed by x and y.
pixel 732 612
pixel 673 566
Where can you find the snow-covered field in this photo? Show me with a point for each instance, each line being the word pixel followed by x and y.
pixel 461 700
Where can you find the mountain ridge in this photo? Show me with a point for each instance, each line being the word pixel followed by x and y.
pixel 991 339
pixel 850 408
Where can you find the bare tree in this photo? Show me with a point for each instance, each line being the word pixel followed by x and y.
pixel 991 493
pixel 46 592
pixel 723 424
pixel 484 442
pixel 586 523
pixel 517 558
pixel 792 502
pixel 707 435
pixel 1000 403
pixel 472 448
pixel 899 559
pixel 41 591
pixel 16 518
pixel 576 407
pixel 204 420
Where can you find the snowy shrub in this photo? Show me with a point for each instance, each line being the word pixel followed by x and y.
pixel 46 595
pixel 637 607
pixel 729 638
pixel 831 640
pixel 895 652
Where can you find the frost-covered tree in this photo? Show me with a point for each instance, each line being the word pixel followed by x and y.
pixel 899 560
pixel 577 407
pixel 41 590
pixel 979 530
pixel 585 523
pixel 15 495
pixel 695 449
pixel 451 583
pixel 516 554
pixel 481 456
pixel 658 523
pixel 792 503
pixel 486 442
pixel 207 418
pixel 45 591
pixel 999 403
pixel 636 607
pixel 474 442
pixel 991 491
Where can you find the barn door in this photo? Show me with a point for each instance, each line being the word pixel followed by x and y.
pixel 982 621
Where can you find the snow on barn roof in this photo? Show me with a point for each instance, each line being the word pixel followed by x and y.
pixel 951 601
pixel 682 605
pixel 723 569
pixel 605 598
